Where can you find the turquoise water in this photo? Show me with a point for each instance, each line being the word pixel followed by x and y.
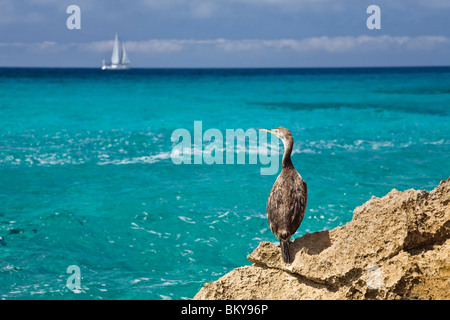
pixel 86 176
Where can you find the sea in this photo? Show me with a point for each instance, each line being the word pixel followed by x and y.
pixel 93 204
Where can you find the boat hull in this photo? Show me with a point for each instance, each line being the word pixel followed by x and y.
pixel 116 67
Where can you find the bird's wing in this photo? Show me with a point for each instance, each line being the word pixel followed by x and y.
pixel 286 205
pixel 273 207
pixel 299 205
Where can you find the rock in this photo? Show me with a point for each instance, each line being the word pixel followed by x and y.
pixel 262 283
pixel 395 247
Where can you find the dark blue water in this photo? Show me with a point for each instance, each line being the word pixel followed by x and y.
pixel 87 178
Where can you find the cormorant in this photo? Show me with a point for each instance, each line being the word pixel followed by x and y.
pixel 286 204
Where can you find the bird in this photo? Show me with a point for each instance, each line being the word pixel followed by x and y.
pixel 286 204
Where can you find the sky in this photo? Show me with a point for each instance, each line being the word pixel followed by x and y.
pixel 226 33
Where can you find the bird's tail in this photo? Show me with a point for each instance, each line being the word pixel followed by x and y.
pixel 285 250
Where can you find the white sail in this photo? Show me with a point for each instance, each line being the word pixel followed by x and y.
pixel 119 58
pixel 115 58
pixel 125 59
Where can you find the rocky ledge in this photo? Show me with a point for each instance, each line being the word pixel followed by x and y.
pixel 395 247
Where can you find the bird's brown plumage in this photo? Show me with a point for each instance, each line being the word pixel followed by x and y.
pixel 286 204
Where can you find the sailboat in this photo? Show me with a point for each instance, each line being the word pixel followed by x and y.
pixel 119 58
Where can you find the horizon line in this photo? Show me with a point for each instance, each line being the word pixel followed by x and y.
pixel 174 68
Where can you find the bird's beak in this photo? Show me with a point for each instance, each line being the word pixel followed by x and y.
pixel 265 130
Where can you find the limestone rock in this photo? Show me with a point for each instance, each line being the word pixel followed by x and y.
pixel 397 246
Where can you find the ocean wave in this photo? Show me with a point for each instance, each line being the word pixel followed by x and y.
pixel 314 147
pixel 138 160
pixel 39 148
pixel 119 147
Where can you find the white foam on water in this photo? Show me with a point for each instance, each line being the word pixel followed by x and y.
pixel 137 160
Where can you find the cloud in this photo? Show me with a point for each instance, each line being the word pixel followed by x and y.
pixel 368 43
pixel 343 44
pixel 313 44
pixel 37 47
pixel 145 46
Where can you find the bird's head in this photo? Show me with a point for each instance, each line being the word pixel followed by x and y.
pixel 281 132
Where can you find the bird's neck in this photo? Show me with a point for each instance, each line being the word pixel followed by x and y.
pixel 287 163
